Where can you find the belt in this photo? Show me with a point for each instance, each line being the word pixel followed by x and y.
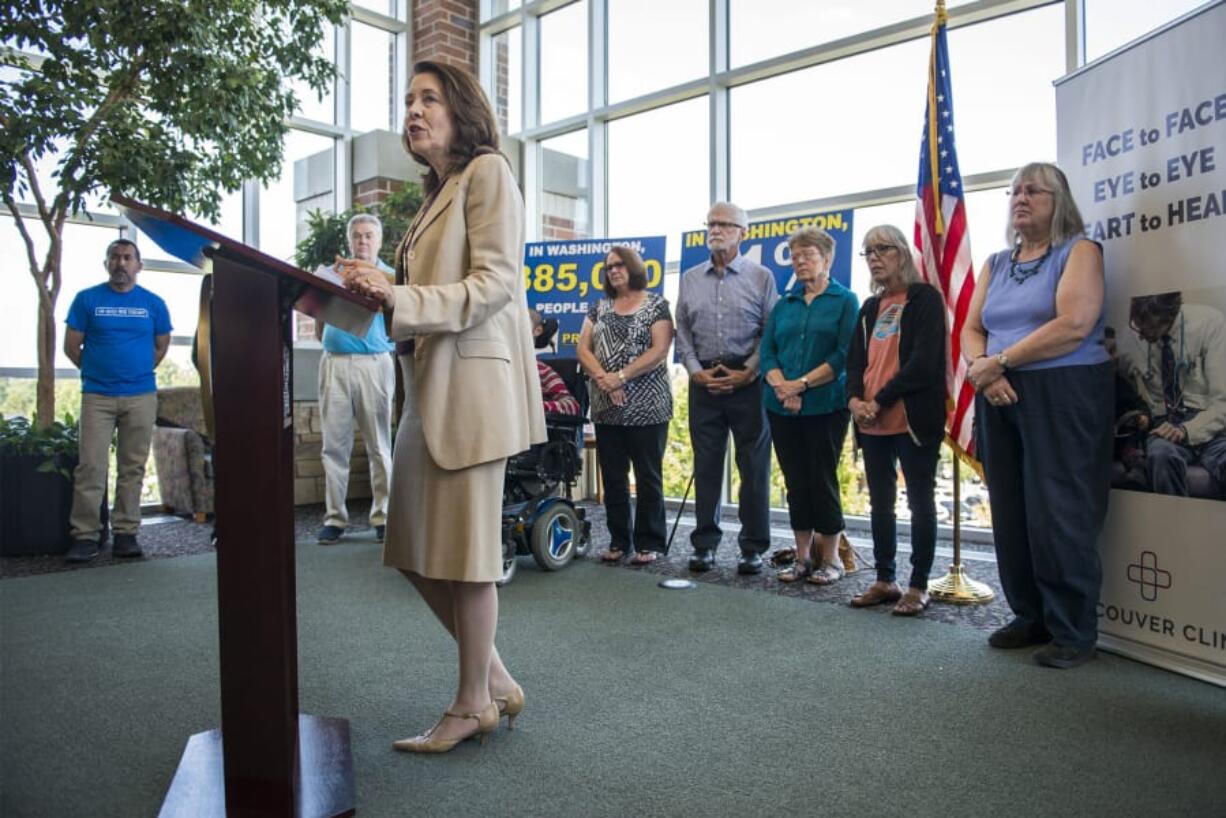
pixel 728 363
pixel 406 347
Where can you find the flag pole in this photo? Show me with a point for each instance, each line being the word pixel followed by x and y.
pixel 956 587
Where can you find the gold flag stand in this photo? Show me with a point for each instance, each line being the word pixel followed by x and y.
pixel 956 587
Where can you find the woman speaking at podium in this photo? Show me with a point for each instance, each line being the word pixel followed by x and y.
pixel 472 397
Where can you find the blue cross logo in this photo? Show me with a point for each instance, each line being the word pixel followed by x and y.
pixel 1146 574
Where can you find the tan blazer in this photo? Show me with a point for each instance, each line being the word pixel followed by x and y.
pixel 476 386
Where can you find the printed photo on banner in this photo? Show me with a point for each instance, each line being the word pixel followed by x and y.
pixel 1170 393
pixel 767 244
pixel 564 279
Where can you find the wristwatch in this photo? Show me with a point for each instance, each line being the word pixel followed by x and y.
pixel 1002 359
pixel 805 380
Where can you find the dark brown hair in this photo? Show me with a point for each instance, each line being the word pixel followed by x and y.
pixel 636 273
pixel 475 130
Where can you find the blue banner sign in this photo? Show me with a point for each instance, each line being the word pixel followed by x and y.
pixel 564 278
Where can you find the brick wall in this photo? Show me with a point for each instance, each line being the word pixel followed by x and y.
pixel 309 469
pixel 373 191
pixel 446 31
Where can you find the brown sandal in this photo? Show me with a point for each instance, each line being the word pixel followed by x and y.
pixel 911 604
pixel 875 595
pixel 613 555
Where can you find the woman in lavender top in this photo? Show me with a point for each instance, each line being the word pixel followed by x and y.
pixel 1033 342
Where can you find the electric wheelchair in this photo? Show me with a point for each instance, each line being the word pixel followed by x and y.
pixel 539 515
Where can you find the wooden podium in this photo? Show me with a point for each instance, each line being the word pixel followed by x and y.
pixel 267 759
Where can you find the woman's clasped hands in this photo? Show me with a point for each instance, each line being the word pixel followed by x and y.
pixel 365 278
pixel 987 376
pixel 611 384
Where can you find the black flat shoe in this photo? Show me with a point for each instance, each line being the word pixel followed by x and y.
pixel 1018 634
pixel 749 564
pixel 703 560
pixel 1063 657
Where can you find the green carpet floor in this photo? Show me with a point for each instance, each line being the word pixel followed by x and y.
pixel 641 702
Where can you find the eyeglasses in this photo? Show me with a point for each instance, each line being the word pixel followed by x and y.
pixel 1029 190
pixel 617 265
pixel 717 225
pixel 878 250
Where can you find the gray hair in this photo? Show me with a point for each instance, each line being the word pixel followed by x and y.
pixel 364 218
pixel 742 218
pixel 1066 221
pixel 891 235
pixel 814 237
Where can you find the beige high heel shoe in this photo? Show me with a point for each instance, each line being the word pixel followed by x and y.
pixel 487 722
pixel 510 704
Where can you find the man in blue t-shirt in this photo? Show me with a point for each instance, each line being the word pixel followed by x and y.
pixel 117 333
pixel 357 379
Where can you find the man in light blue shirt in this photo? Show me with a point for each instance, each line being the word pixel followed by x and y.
pixel 357 379
pixel 722 307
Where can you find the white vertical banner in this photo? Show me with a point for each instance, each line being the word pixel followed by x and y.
pixel 1142 138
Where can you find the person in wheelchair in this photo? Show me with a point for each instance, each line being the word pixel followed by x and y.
pixel 555 395
pixel 538 511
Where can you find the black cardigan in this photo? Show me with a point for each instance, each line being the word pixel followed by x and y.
pixel 920 380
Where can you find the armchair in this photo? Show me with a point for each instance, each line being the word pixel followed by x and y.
pixel 183 453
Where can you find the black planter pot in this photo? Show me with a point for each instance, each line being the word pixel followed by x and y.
pixel 34 505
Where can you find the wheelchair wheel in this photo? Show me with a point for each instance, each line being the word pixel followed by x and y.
pixel 555 535
pixel 509 563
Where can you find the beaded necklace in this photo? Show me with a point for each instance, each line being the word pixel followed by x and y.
pixel 1021 271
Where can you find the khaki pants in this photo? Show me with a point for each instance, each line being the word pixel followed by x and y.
pixel 356 389
pixel 133 415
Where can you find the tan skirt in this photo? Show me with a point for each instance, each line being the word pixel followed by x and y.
pixel 441 524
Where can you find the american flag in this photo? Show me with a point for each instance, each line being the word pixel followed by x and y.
pixel 944 248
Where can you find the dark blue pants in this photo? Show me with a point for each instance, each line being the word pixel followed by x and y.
pixel 883 454
pixel 1167 463
pixel 1047 459
pixel 616 448
pixel 712 417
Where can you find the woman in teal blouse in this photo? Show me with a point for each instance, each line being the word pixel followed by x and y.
pixel 804 351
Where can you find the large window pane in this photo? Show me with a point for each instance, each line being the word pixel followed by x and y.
pixel 509 80
pixel 760 29
pixel 387 7
pixel 83 265
pixel 564 166
pixel 181 292
pixel 1111 23
pixel 563 67
pixel 659 176
pixel 311 105
pixel 371 66
pixel 653 45
pixel 305 184
pixel 1005 110
pixel 492 8
pixel 854 125
pixel 832 129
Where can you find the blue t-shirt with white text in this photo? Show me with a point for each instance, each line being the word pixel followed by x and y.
pixel 119 328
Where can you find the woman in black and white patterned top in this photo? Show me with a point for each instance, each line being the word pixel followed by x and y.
pixel 623 348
